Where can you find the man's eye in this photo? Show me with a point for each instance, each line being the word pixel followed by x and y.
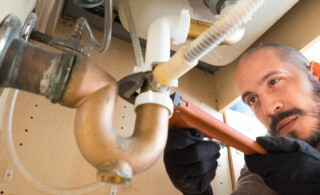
pixel 273 81
pixel 252 100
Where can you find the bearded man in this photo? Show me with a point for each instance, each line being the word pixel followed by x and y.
pixel 275 83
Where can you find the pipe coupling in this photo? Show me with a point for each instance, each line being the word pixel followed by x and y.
pixel 54 83
pixel 151 97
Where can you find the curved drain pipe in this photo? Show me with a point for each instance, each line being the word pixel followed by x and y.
pixel 76 82
pixel 117 158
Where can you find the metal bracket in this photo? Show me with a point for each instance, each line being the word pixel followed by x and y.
pixel 176 99
pixel 71 44
pixel 129 85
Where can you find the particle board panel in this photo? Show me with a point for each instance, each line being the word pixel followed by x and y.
pixel 226 90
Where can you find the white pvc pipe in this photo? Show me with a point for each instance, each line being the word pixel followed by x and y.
pixel 133 34
pixel 185 59
pixel 160 33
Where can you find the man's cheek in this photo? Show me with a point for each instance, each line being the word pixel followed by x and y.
pixel 305 127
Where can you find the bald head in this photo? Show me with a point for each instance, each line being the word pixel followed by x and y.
pixel 283 52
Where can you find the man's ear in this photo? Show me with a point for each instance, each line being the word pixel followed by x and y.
pixel 314 70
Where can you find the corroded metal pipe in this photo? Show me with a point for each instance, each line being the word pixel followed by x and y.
pixel 35 70
pixel 117 158
pixel 76 82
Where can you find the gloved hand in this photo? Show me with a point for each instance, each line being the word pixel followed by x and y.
pixel 191 162
pixel 291 166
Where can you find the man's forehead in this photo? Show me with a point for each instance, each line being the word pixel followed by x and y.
pixel 252 68
pixel 262 54
pixel 254 63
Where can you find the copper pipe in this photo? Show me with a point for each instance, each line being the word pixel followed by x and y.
pixel 78 83
pixel 197 27
pixel 93 92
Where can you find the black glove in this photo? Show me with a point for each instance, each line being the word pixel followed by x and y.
pixel 291 166
pixel 191 162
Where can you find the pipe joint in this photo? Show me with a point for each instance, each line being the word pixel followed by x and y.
pixel 167 74
pixel 36 70
pixel 160 32
pixel 157 86
pixel 54 82
pixel 151 97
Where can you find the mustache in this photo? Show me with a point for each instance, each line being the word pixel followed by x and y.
pixel 275 119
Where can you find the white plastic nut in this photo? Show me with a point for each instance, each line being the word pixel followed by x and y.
pixel 151 97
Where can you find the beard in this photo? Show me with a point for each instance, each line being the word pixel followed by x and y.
pixel 314 138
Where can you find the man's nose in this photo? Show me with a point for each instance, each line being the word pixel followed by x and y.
pixel 271 105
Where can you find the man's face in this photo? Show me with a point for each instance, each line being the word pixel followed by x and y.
pixel 279 93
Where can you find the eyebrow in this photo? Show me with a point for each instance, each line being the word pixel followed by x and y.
pixel 267 76
pixel 245 95
pixel 262 80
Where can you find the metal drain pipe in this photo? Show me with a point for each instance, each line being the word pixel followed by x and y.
pixel 76 82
